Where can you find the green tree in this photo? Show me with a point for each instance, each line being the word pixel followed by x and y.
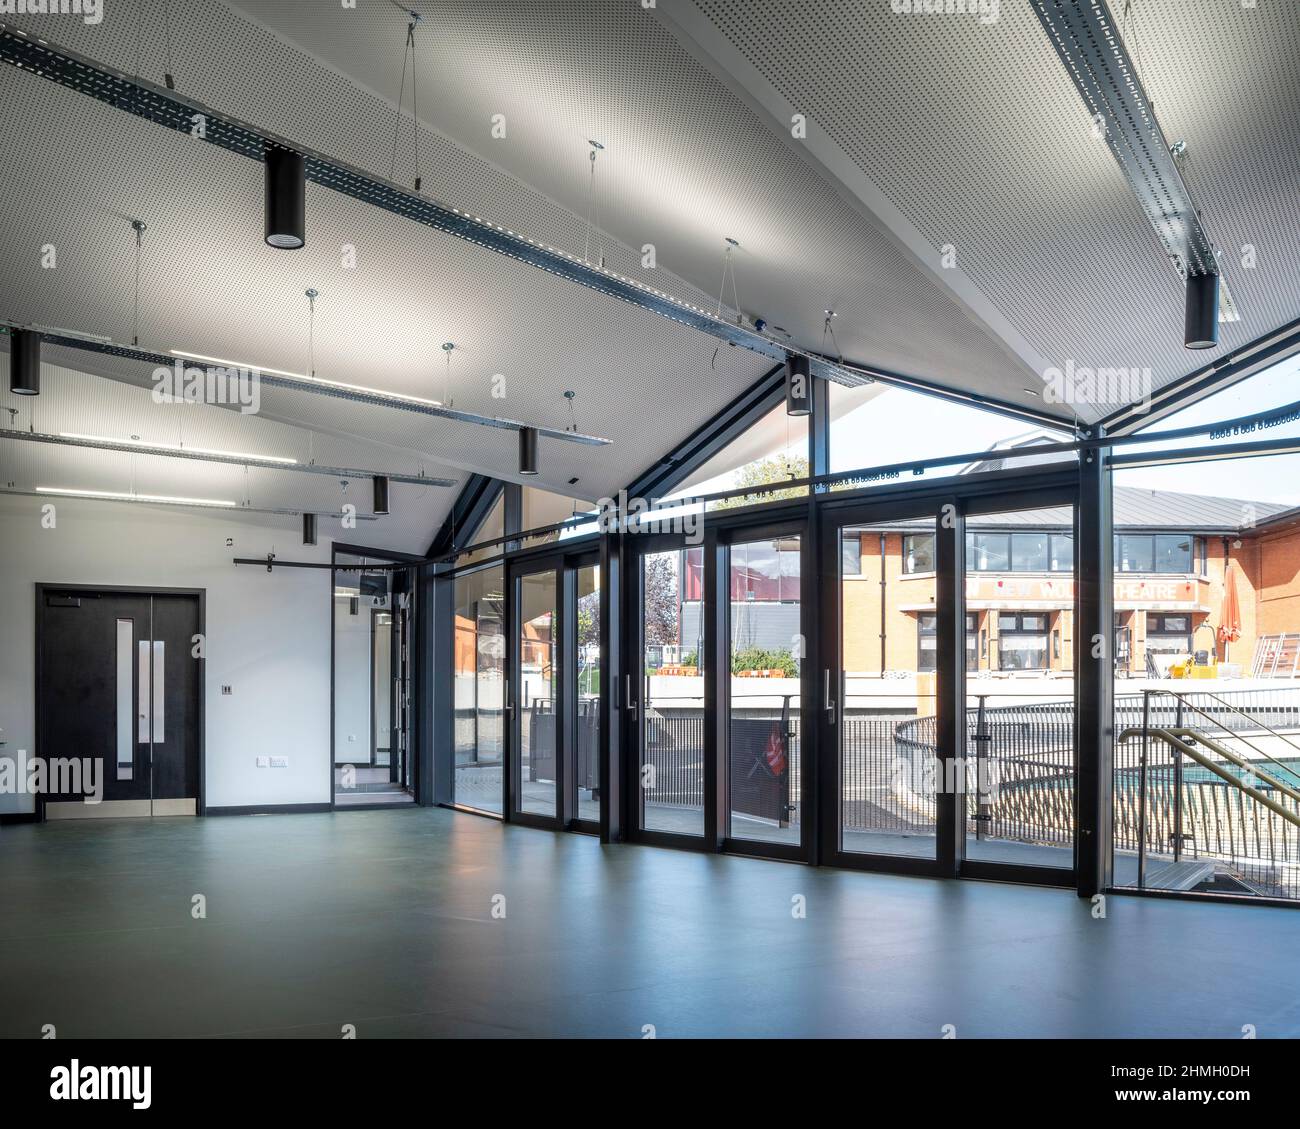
pixel 778 468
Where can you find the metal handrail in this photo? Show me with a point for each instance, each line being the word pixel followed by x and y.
pixel 1238 710
pixel 1177 739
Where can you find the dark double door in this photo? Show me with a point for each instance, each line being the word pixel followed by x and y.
pixel 118 701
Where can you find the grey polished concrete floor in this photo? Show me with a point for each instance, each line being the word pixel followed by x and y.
pixel 384 919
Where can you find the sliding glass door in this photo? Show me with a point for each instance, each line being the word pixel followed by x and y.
pixel 718 698
pixel 553 692
pixel 1020 687
pixel 761 684
pixel 880 689
pixel 948 703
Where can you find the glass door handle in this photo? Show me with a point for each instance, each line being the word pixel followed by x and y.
pixel 827 703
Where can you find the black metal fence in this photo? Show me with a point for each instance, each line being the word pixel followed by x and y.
pixel 1019 777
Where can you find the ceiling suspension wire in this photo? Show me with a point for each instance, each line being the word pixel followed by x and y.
pixel 312 295
pixel 140 228
pixel 169 74
pixel 447 348
pixel 828 330
pixel 593 210
pixel 408 51
pixel 729 271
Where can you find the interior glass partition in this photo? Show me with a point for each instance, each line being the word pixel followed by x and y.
pixel 371 681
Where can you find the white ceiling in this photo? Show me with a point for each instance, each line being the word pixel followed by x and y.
pixel 925 131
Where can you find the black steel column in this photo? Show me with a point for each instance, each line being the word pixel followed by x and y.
pixel 614 678
pixel 436 703
pixel 950 686
pixel 1094 641
pixel 717 679
pixel 566 708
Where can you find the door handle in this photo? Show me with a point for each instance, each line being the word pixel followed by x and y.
pixel 627 692
pixel 507 705
pixel 827 704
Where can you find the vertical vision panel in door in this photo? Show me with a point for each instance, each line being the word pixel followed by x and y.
pixel 87 707
pixel 176 673
pixel 118 703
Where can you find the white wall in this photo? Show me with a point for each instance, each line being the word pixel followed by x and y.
pixel 352 729
pixel 268 635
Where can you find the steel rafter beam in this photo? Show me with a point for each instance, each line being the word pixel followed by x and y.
pixel 214 457
pixel 1268 350
pixel 170 110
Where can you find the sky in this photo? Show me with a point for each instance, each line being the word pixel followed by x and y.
pixel 897 425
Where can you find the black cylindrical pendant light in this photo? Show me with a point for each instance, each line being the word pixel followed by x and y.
pixel 309 529
pixel 24 362
pixel 1201 327
pixel 798 385
pixel 528 450
pixel 381 494
pixel 286 198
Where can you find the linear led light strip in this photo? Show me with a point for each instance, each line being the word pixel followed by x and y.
pixel 165 500
pixel 231 458
pixel 145 445
pixel 119 496
pixel 263 370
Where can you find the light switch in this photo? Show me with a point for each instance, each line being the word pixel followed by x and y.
pixel 263 762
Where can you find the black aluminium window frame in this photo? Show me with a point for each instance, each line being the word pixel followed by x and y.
pixel 200 594
pixel 447 582
pixel 740 533
pixel 565 560
pixel 1048 494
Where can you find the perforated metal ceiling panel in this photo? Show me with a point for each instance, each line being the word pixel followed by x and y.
pixel 210 286
pixel 975 132
pixel 685 161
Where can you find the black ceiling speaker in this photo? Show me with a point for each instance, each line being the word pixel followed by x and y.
pixel 309 529
pixel 1201 326
pixel 286 198
pixel 24 362
pixel 528 450
pixel 381 494
pixel 798 385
